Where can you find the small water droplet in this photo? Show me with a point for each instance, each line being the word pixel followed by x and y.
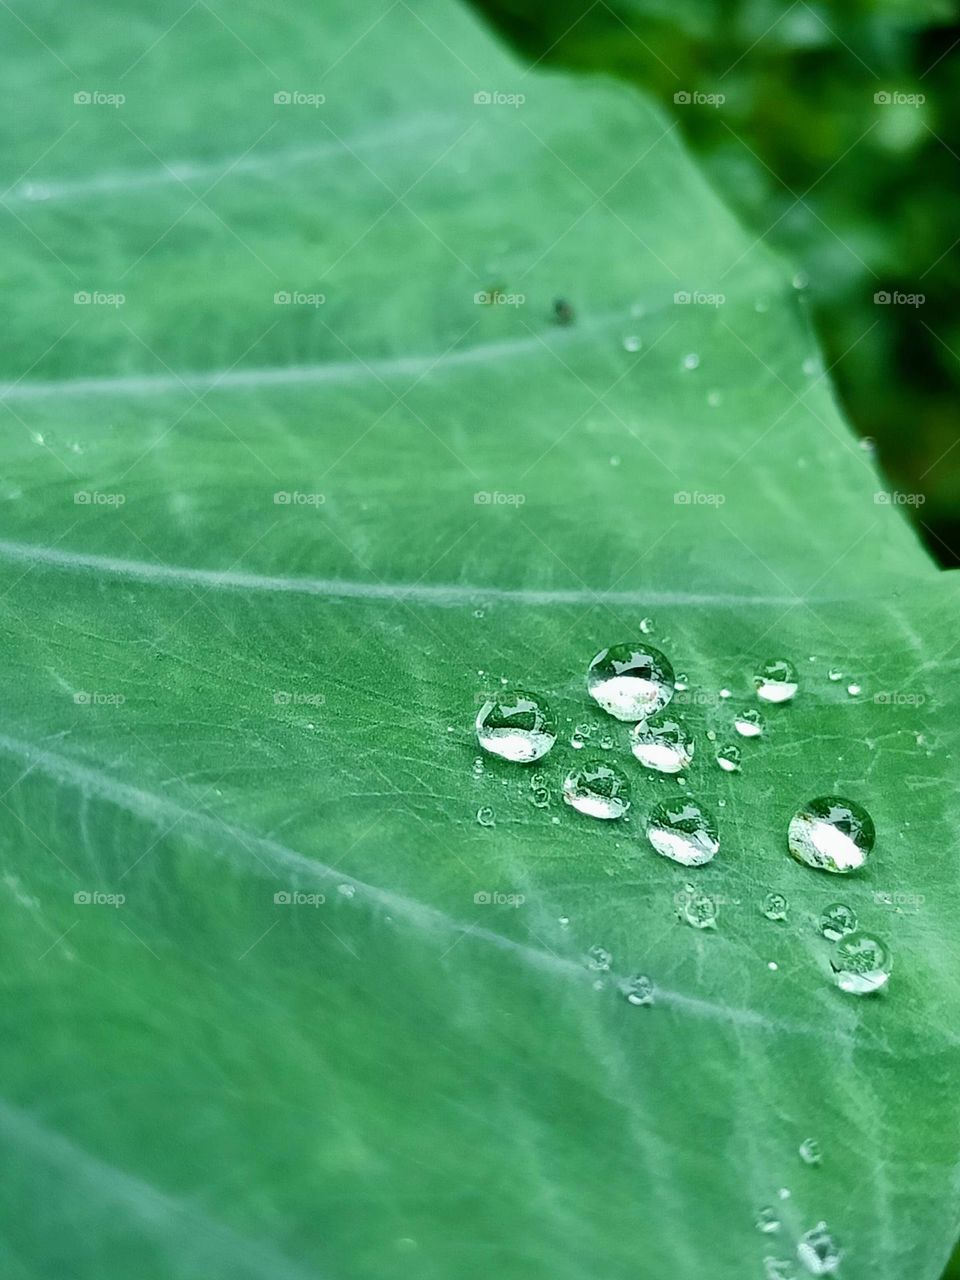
pixel 811 366
pixel 478 767
pixel 663 745
pixel 801 280
pixel 599 959
pixel 615 460
pixel 772 966
pixel 585 730
pixel 485 816
pixel 749 723
pixel 784 1193
pixel 680 829
pixel 631 682
pixel 347 890
pixel 516 726
pixel 698 909
pixel 563 921
pixel 854 690
pixel 714 399
pixel 725 693
pixel 776 680
pixel 540 797
pixel 597 789
pixel 834 674
pixel 576 742
pixel 767 1220
pixel 818 1251
pixel 691 360
pixel 631 343
pixel 775 906
pixel 810 1152
pixel 861 963
pixel 639 990
pixel 478 613
pixel 832 834
pixel 869 445
pixel 606 742
pixel 682 682
pixel 647 625
pixel 728 758
pixel 838 919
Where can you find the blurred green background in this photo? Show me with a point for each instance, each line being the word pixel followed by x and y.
pixel 836 140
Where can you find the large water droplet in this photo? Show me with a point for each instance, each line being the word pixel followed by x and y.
pixel 818 1251
pixel 639 990
pixel 663 745
pixel 631 682
pixel 832 834
pixel 516 726
pixel 749 723
pixel 728 757
pixel 775 906
pixel 810 1152
pixel 682 830
pixel 598 789
pixel 838 919
pixel 861 963
pixel 776 680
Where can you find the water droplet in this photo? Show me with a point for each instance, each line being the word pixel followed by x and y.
pixel 775 906
pixel 854 690
pixel 834 674
pixel 682 682
pixel 832 834
pixel 597 789
pixel 714 399
pixel 563 921
pixel 869 445
pixel 749 723
pixel 778 1269
pixel 725 693
pixel 485 816
pixel 784 1193
pixel 861 963
pixel 540 797
pixel 818 1251
pixel 639 990
pixel 615 460
pixel 631 682
pixel 776 680
pixel 838 919
pixel 801 280
pixel 478 767
pixel 632 343
pixel 691 360
pixel 772 966
pixel 516 726
pixel 577 742
pixel 347 890
pixel 810 1152
pixel 663 745
pixel 682 830
pixel 728 757
pixel 478 613
pixel 767 1220
pixel 647 626
pixel 699 910
pixel 607 743
pixel 811 366
pixel 599 959
pixel 584 730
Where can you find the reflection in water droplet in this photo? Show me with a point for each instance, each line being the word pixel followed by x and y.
pixel 749 723
pixel 631 682
pixel 775 906
pixel 837 920
pixel 485 816
pixel 599 959
pixel 810 1151
pixel 818 1251
pixel 767 1220
pixel 662 745
pixel 597 789
pixel 832 834
pixel 516 726
pixel 680 829
pixel 776 680
pixel 861 963
pixel 639 990
pixel 728 757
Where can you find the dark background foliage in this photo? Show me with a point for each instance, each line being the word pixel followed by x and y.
pixel 861 194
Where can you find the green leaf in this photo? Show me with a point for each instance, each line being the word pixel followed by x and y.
pixel 216 700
